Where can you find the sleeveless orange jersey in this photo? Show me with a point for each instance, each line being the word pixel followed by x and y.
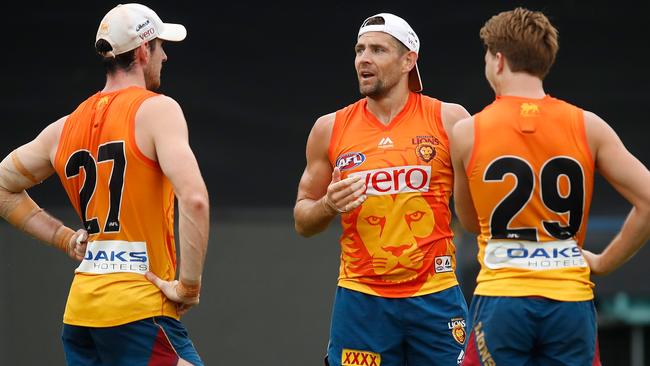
pixel 126 205
pixel 398 243
pixel 531 179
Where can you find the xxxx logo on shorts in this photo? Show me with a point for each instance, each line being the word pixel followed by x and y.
pixel 351 357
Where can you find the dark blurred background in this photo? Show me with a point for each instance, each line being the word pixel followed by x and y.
pixel 252 79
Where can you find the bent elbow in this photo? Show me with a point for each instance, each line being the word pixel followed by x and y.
pixel 643 208
pixel 302 230
pixel 197 202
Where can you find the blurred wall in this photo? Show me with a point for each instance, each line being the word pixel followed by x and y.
pixel 252 79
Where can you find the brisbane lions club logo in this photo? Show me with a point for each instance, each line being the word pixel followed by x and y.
pixel 457 327
pixel 425 147
pixel 426 151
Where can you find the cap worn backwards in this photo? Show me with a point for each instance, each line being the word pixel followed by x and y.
pixel 127 26
pixel 402 31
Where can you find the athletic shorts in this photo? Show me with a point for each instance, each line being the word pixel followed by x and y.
pixel 531 331
pixel 158 341
pixel 424 330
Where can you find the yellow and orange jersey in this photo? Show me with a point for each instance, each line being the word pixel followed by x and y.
pixel 531 179
pixel 127 206
pixel 398 243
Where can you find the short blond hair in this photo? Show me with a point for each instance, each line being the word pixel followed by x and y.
pixel 526 38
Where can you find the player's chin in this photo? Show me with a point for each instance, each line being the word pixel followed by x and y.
pixel 370 89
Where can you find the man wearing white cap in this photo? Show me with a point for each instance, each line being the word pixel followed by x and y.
pixel 122 156
pixel 383 165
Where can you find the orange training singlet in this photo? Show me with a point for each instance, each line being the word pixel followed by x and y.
pixel 531 178
pixel 127 207
pixel 398 243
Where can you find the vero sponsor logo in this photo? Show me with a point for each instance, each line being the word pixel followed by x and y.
pixel 399 179
pixel 148 34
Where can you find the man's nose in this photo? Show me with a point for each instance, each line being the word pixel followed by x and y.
pixel 363 56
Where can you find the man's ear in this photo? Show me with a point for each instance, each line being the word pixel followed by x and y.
pixel 410 60
pixel 143 54
pixel 501 62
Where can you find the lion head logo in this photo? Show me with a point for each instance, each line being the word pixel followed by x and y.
pixel 101 102
pixel 426 151
pixel 458 332
pixel 389 227
pixel 529 109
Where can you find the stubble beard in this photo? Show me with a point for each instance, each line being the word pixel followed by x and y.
pixel 374 91
pixel 152 82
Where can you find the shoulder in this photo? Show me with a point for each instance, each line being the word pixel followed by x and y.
pixel 463 129
pixel 320 136
pixel 50 134
pixel 159 104
pixel 451 114
pixel 594 123
pixel 47 140
pixel 593 118
pixel 324 125
pixel 453 111
pixel 349 110
pixel 462 138
pixel 161 111
pixel 596 128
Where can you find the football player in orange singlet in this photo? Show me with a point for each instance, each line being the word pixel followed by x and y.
pixel 383 165
pixel 122 156
pixel 524 171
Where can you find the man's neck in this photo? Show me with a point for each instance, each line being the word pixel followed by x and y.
pixel 123 80
pixel 521 85
pixel 388 106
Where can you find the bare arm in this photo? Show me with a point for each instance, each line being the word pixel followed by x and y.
pixel 632 180
pixel 451 114
pixel 25 167
pixel 321 193
pixel 462 143
pixel 162 118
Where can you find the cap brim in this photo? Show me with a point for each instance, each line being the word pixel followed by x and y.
pixel 173 32
pixel 415 82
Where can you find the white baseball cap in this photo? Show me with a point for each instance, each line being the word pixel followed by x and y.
pixel 402 31
pixel 127 26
